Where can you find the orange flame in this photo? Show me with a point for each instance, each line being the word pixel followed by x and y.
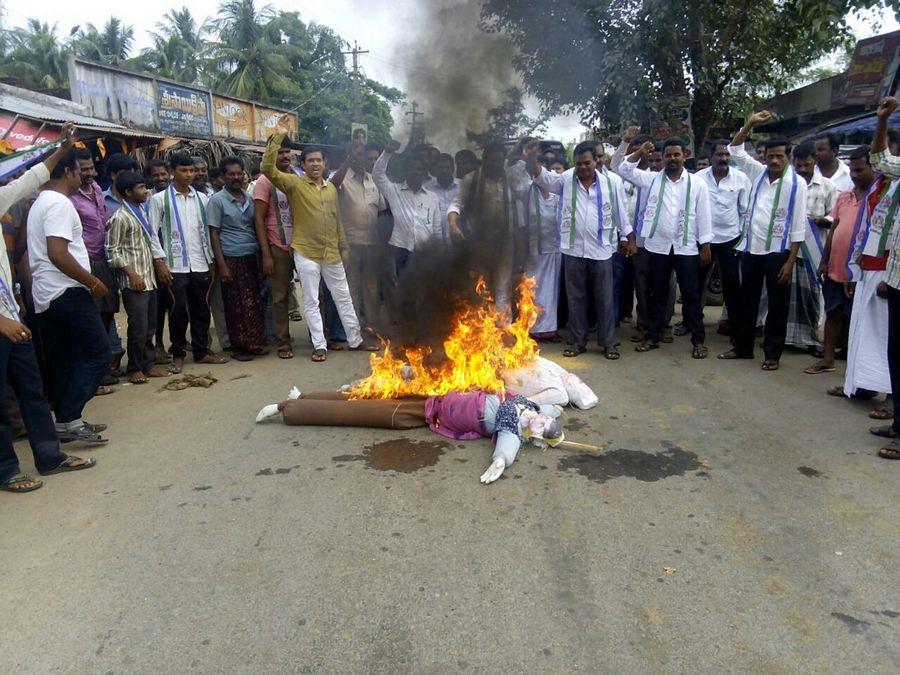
pixel 482 344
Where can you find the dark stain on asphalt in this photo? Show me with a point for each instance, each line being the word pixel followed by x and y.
pixel 264 472
pixel 885 612
pixel 269 472
pixel 201 488
pixel 853 624
pixel 644 466
pixel 164 487
pixel 809 472
pixel 576 425
pixel 403 455
pixel 348 458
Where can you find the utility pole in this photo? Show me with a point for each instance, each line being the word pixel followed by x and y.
pixel 417 129
pixel 355 52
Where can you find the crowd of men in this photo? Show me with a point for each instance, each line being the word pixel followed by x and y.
pixel 799 239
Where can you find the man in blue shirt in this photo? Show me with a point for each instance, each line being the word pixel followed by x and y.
pixel 233 234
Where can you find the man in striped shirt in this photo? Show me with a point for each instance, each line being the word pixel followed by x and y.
pixel 134 253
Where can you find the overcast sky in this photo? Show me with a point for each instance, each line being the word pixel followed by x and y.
pixel 373 23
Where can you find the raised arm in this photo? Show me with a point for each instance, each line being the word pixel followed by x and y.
pixel 619 155
pixel 379 171
pixel 279 179
pixel 742 160
pixel 629 170
pixel 882 158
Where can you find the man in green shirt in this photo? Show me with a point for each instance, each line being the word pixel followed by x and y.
pixel 318 239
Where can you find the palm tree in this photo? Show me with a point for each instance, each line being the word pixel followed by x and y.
pixel 249 52
pixel 36 57
pixel 179 47
pixel 111 45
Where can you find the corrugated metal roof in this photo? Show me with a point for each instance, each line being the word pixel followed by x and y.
pixel 46 113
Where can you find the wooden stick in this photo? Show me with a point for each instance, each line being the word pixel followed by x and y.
pixel 572 445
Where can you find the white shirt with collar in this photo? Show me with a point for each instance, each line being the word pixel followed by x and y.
pixel 670 236
pixel 588 233
pixel 841 177
pixel 446 196
pixel 195 232
pixel 729 200
pixel 762 204
pixel 416 217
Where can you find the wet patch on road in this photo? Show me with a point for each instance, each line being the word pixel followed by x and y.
pixel 270 472
pixel 575 425
pixel 403 455
pixel 853 624
pixel 809 472
pixel 647 467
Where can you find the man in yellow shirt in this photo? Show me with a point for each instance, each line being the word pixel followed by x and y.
pixel 318 240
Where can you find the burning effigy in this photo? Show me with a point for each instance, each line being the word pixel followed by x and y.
pixel 464 395
pixel 482 344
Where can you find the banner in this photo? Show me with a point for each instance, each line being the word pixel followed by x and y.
pixel 13 164
pixel 183 111
pixel 110 94
pixel 265 121
pixel 232 118
pixel 24 132
pixel 873 70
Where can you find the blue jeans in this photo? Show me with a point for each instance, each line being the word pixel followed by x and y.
pixel 76 348
pixel 19 367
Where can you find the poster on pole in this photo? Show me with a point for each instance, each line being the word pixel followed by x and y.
pixel 359 133
pixel 183 111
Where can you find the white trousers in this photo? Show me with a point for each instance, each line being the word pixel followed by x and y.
pixel 335 279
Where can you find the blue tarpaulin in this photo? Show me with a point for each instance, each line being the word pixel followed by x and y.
pixel 864 124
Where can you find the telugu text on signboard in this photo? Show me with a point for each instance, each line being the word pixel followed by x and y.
pixel 183 111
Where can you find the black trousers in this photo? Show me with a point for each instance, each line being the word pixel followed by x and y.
pixel 730 273
pixel 19 367
pixel 687 271
pixel 586 279
pixel 140 306
pixel 893 347
pixel 756 270
pixel 191 291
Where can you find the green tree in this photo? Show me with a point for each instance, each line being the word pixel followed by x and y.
pixel 619 61
pixel 110 45
pixel 179 48
pixel 35 57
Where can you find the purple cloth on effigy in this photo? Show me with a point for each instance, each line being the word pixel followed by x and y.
pixel 457 415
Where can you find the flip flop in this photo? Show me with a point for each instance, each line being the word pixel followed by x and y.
pixel 103 390
pixel 611 354
pixel 699 352
pixel 177 365
pixel 882 413
pixel 837 390
pixel 732 355
pixel 887 431
pixel 318 356
pixel 138 378
pixel 212 359
pixel 335 346
pixel 10 485
pixel 68 464
pixel 818 368
pixel 285 353
pixel 258 351
pixel 769 365
pixel 365 347
pixel 889 452
pixel 571 352
pixel 646 347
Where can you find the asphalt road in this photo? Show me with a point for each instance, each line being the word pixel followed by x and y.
pixel 739 521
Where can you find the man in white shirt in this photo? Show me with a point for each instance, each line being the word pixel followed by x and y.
pixel 593 226
pixel 806 302
pixel 17 357
pixel 178 213
pixel 361 201
pixel 774 228
pixel 637 198
pixel 828 165
pixel 446 186
pixel 72 334
pixel 415 209
pixel 729 199
pixel 677 230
